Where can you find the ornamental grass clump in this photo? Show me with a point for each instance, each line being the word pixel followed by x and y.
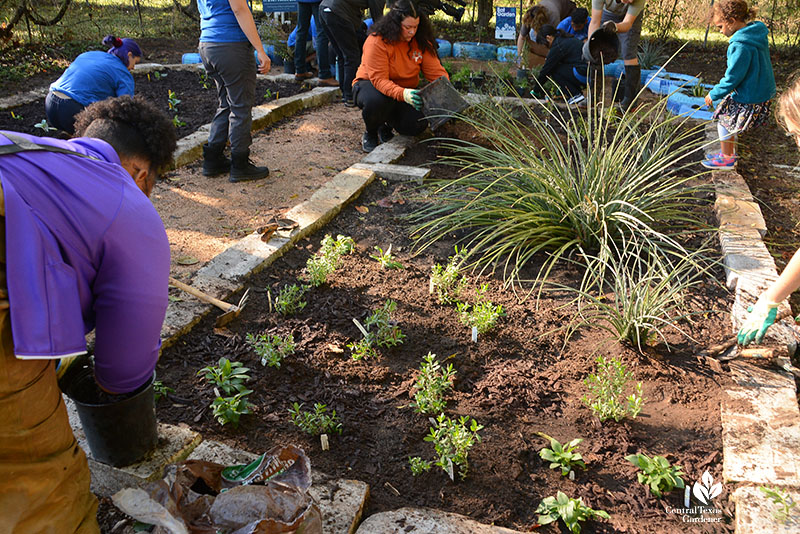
pixel 564 184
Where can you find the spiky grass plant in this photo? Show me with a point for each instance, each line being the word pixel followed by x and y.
pixel 651 54
pixel 563 183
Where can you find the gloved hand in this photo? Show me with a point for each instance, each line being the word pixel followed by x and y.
pixel 412 98
pixel 761 317
pixel 609 26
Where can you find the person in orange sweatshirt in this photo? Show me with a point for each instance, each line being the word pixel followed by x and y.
pixel 400 45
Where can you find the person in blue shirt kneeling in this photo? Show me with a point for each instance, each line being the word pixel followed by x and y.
pixel 577 24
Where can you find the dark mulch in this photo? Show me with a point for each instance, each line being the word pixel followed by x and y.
pixel 197 95
pixel 517 380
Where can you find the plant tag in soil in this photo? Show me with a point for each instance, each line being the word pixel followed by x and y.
pixel 474 334
pixel 323 440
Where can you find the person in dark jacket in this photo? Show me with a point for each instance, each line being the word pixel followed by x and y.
pixel 564 64
pixel 341 20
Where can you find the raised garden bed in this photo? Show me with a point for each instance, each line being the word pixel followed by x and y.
pixel 197 95
pixel 518 379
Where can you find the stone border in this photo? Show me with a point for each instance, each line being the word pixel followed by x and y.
pixel 760 415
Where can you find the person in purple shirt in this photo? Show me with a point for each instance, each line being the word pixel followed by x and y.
pixel 83 248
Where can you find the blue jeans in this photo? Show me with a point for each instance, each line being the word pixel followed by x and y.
pixel 305 10
pixel 61 112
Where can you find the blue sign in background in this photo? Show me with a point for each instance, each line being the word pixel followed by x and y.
pixel 505 23
pixel 279 6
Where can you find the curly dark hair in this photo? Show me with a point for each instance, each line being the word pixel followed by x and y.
pixel 734 10
pixel 132 126
pixel 390 26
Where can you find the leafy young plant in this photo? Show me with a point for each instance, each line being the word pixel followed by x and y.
pixel 606 390
pixel 228 376
pixel 230 409
pixel 386 259
pixel 272 349
pixel 657 473
pixel 16 117
pixel 204 81
pixel 419 466
pixel 328 258
pixel 452 441
pixel 698 90
pixel 447 280
pixel 379 330
pixel 562 456
pixel 483 315
pixel 432 385
pixel 462 75
pixel 160 390
pixel 158 75
pixel 780 498
pixel 315 422
pixel 268 94
pixel 172 100
pixel 44 126
pixel 289 300
pixel 571 511
pixel 177 122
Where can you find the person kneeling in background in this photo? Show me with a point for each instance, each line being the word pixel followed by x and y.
pixel 564 64
pixel 400 46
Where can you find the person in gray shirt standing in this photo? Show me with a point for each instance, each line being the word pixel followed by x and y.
pixel 624 14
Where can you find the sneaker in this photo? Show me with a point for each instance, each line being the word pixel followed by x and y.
pixel 348 103
pixel 369 141
pixel 719 162
pixel 577 100
pixel 385 133
pixel 329 82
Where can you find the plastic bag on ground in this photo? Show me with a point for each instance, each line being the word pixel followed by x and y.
pixel 268 496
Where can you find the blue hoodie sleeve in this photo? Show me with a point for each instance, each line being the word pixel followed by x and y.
pixel 739 59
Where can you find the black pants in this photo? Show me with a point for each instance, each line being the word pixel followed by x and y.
pixel 377 109
pixel 344 39
pixel 564 77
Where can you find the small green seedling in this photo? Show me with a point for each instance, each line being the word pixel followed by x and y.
pixel 16 117
pixel 268 94
pixel 228 376
pixel 172 100
pixel 698 90
pixel 562 456
pixel 230 409
pixel 160 390
pixel 482 315
pixel 446 280
pixel 419 466
pixel 177 122
pixel 44 126
pixel 316 422
pixel 328 258
pixel 453 441
pixel 571 511
pixel 386 259
pixel 432 385
pixel 657 473
pixel 204 79
pixel 272 349
pixel 782 500
pixel 606 390
pixel 289 300
pixel 158 75
pixel 379 330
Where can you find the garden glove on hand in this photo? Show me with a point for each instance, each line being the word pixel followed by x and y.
pixel 609 26
pixel 761 317
pixel 412 98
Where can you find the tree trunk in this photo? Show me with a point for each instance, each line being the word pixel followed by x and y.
pixel 484 14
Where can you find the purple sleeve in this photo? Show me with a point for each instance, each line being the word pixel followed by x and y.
pixel 130 295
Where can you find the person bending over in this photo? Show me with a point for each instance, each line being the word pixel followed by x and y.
pixel 531 52
pixel 81 248
pixel 91 77
pixel 564 64
pixel 400 46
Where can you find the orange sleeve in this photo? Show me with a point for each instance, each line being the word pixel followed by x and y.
pixel 431 67
pixel 375 61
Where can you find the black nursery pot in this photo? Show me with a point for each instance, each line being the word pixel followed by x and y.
pixel 120 429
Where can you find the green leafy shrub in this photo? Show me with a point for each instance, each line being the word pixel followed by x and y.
pixel 432 385
pixel 657 473
pixel 230 409
pixel 452 441
pixel 483 315
pixel 315 422
pixel 447 280
pixel 227 375
pixel 289 300
pixel 606 390
pixel 328 259
pixel 419 466
pixel 571 511
pixel 379 330
pixel 562 456
pixel 272 349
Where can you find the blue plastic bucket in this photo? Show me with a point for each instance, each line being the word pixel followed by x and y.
pixel 689 106
pixel 190 58
pixel 482 51
pixel 507 53
pixel 445 48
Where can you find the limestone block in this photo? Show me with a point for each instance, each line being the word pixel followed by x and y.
pixel 175 443
pixel 426 521
pixel 755 513
pixel 396 173
pixel 181 316
pixel 390 151
pixel 731 183
pixel 240 259
pixel 733 214
pixel 21 99
pixel 190 147
pixel 761 427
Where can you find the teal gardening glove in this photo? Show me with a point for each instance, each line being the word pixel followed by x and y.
pixel 761 317
pixel 412 98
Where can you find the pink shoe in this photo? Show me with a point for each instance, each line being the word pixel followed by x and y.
pixel 719 162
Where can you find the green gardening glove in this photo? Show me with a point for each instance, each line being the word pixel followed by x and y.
pixel 412 98
pixel 762 316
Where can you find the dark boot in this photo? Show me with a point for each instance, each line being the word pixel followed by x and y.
pixel 243 170
pixel 369 141
pixel 214 160
pixel 633 81
pixel 385 133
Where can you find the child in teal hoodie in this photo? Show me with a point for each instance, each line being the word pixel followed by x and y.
pixel 743 96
